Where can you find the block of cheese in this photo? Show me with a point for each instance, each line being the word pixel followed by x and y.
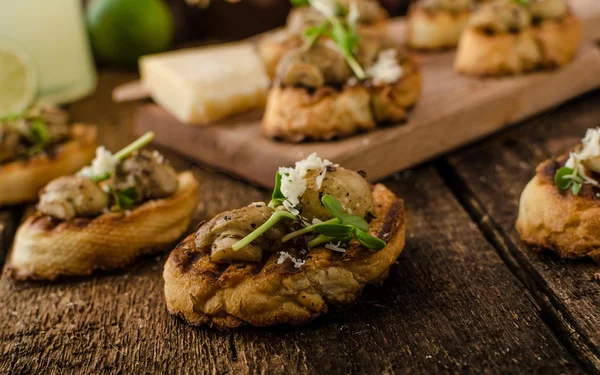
pixel 206 84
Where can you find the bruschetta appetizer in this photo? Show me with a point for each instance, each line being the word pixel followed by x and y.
pixel 559 208
pixel 509 37
pixel 38 146
pixel 324 235
pixel 122 206
pixel 303 19
pixel 437 24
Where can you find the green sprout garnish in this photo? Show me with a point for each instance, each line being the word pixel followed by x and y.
pixel 40 134
pixel 521 2
pixel 342 228
pixel 274 219
pixel 134 146
pixel 343 35
pixel 566 178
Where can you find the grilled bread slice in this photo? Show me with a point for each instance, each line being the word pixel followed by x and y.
pixel 21 180
pixel 46 248
pixel 274 290
pixel 552 219
pixel 551 44
pixel 435 30
pixel 294 114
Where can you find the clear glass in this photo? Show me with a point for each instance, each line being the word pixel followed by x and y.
pixel 53 32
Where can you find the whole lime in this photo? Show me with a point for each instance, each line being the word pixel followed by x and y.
pixel 123 30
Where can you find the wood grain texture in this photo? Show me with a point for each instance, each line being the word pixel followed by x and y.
pixel 450 304
pixel 490 178
pixel 453 110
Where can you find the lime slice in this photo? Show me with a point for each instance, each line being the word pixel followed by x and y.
pixel 18 79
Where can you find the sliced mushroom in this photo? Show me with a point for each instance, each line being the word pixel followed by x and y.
pixel 347 186
pixel 149 173
pixel 548 9
pixel 501 17
pixel 227 228
pixel 314 67
pixel 72 196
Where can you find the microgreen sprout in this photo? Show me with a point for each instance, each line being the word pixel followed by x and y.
pixel 134 146
pixel 566 178
pixel 274 219
pixel 343 35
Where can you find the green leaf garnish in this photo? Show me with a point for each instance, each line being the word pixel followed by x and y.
pixel 40 131
pixel 355 221
pixel 522 2
pixel 332 229
pixel 560 180
pixel 274 219
pixel 277 197
pixel 565 179
pixel 367 240
pixel 102 177
pixel 334 206
pixel 126 198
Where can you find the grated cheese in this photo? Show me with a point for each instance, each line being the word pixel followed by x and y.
pixel 293 184
pixel 386 69
pixel 589 150
pixel 283 256
pixel 103 163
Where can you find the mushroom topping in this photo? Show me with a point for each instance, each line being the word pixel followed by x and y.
pixel 314 67
pixel 227 228
pixel 548 9
pixel 454 6
pixel 501 17
pixel 71 196
pixel 10 143
pixel 345 185
pixel 149 173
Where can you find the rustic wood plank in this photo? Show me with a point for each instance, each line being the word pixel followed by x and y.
pixel 453 110
pixel 490 178
pixel 450 304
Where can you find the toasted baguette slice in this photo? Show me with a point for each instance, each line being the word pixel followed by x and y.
pixel 552 219
pixel 273 292
pixel 46 248
pixel 435 30
pixel 21 180
pixel 551 44
pixel 294 114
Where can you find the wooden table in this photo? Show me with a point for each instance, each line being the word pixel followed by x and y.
pixel 465 296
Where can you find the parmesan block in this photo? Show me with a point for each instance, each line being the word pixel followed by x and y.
pixel 204 85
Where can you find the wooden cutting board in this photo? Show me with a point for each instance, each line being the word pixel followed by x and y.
pixel 453 110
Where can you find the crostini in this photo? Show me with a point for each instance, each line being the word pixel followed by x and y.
pixel 122 206
pixel 38 146
pixel 325 234
pixel 370 17
pixel 559 208
pixel 437 24
pixel 507 37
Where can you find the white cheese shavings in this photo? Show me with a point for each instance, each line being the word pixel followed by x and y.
pixel 335 247
pixel 589 150
pixel 283 256
pixel 293 184
pixel 386 69
pixel 103 163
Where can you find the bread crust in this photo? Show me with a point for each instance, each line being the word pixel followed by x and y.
pixel 268 293
pixel 21 180
pixel 46 248
pixel 551 44
pixel 557 220
pixel 294 114
pixel 432 31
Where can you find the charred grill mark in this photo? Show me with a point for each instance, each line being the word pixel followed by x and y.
pixel 390 221
pixel 185 258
